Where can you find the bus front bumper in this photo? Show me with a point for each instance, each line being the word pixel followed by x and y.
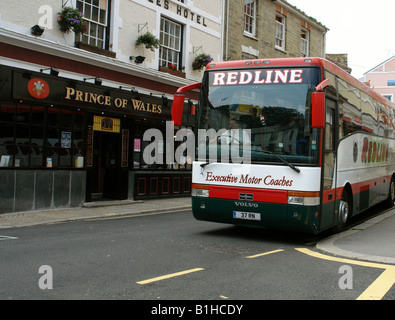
pixel 282 216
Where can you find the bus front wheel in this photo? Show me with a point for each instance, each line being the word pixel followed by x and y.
pixel 344 212
pixel 391 194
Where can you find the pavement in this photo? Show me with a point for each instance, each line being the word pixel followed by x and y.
pixel 372 240
pixel 93 210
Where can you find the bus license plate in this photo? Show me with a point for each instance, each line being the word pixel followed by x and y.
pixel 247 215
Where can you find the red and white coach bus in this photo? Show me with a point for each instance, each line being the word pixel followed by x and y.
pixel 315 146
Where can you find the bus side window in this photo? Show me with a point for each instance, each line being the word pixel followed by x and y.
pixel 329 158
pixel 329 128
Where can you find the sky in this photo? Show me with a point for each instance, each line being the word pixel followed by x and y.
pixel 364 29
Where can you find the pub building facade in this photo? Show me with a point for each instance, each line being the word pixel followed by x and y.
pixel 74 107
pixel 64 142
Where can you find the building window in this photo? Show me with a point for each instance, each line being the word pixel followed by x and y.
pixel 391 83
pixel 304 46
pixel 170 44
pixel 249 16
pixel 96 18
pixel 280 32
pixel 389 97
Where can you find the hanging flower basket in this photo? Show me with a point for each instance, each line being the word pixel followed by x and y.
pixel 201 61
pixel 148 40
pixel 70 19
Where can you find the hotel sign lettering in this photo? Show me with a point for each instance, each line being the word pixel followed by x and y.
pixel 181 11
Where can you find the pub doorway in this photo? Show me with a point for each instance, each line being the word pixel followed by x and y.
pixel 106 165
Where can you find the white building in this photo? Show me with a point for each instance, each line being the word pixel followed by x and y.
pixel 186 28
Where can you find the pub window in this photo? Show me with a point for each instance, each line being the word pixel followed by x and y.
pixel 7 112
pixel 51 147
pixel 139 147
pixel 7 145
pixel 170 44
pixel 36 144
pixel 23 145
pixel 7 134
pixel 37 136
pixel 250 16
pixel 184 161
pixel 96 17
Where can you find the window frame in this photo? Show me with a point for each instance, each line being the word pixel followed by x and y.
pixel 280 34
pixel 305 43
pixel 166 49
pixel 99 40
pixel 250 17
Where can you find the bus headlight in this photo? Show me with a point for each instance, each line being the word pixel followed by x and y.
pixel 200 190
pixel 296 200
pixel 304 198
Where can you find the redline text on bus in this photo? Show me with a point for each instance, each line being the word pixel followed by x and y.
pixel 373 151
pixel 255 77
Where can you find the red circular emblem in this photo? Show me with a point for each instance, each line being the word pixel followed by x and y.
pixel 38 88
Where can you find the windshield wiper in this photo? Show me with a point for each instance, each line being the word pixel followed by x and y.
pixel 204 164
pixel 282 160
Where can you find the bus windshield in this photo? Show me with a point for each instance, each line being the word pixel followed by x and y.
pixel 269 107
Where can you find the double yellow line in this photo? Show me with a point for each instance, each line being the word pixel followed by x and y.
pixel 378 289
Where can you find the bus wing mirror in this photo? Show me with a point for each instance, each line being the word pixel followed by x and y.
pixel 177 109
pixel 318 110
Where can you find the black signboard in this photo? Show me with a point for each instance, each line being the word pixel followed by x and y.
pixel 47 89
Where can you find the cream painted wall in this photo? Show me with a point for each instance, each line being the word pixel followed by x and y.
pixel 134 17
pixel 201 20
pixel 202 29
pixel 20 16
